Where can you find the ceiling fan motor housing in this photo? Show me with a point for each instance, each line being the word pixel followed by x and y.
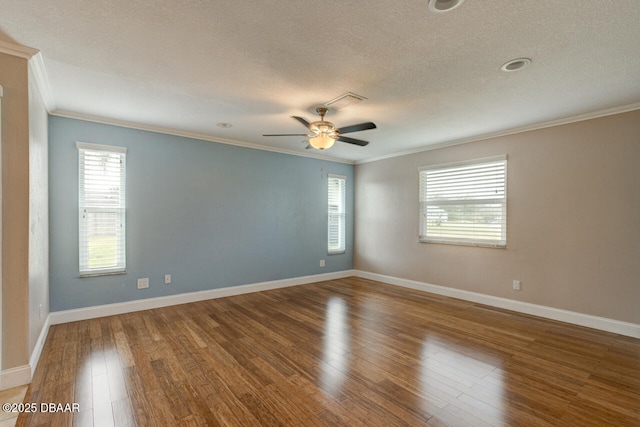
pixel 324 133
pixel 322 127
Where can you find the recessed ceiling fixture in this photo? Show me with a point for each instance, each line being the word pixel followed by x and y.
pixel 439 6
pixel 224 125
pixel 515 65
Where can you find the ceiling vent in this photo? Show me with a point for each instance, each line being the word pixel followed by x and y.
pixel 344 101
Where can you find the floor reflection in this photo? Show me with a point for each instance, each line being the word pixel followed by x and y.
pixel 335 346
pixel 461 385
pixel 365 355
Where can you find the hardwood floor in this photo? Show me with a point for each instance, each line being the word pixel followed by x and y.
pixel 349 352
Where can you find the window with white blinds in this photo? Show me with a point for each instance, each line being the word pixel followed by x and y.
pixel 465 203
pixel 337 213
pixel 101 209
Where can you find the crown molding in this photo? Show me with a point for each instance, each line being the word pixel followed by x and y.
pixel 38 71
pixel 192 135
pixel 17 50
pixel 521 129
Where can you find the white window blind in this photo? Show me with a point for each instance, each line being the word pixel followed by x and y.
pixel 465 203
pixel 101 209
pixel 337 213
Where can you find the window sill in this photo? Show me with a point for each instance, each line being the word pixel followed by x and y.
pixel 102 273
pixel 337 252
pixel 473 244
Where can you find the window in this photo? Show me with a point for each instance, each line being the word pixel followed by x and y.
pixel 337 217
pixel 465 203
pixel 101 187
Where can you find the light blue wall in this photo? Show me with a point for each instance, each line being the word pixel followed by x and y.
pixel 211 215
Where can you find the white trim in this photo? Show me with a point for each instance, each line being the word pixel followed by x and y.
pixel 22 375
pixel 15 377
pixel 37 350
pixel 192 135
pixel 41 79
pixel 333 175
pixel 581 319
pixel 74 315
pixel 49 101
pixel 1 251
pixel 521 129
pixel 342 215
pixel 436 166
pixel 454 174
pixel 17 50
pixel 100 147
pixel 435 146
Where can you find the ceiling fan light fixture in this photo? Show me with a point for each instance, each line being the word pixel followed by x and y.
pixel 440 6
pixel 323 134
pixel 322 142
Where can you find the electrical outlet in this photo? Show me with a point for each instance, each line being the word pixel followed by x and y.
pixel 516 285
pixel 167 279
pixel 322 264
pixel 143 283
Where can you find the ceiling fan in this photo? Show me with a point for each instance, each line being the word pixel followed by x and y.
pixel 323 134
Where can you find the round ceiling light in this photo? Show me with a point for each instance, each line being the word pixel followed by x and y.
pixel 515 65
pixel 440 6
pixel 224 125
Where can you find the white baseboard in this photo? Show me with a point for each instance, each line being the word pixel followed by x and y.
pixel 22 375
pixel 37 350
pixel 595 322
pixel 14 377
pixel 74 315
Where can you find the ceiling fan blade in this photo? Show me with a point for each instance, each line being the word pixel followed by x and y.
pixel 353 141
pixel 358 127
pixel 287 134
pixel 303 121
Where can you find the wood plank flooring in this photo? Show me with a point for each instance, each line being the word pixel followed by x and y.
pixel 349 352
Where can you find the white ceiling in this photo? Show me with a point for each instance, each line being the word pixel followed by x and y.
pixel 428 78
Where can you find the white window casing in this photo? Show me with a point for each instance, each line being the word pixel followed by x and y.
pixel 102 209
pixel 337 196
pixel 464 203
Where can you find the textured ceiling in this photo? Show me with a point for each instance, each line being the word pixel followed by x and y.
pixel 428 78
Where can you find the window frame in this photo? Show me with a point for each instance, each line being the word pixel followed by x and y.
pixel 340 215
pixel 423 232
pixel 86 208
